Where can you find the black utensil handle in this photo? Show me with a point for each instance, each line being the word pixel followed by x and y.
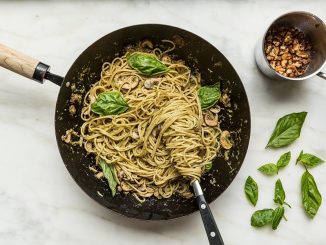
pixel 322 75
pixel 213 234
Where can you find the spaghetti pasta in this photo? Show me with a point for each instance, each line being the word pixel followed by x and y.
pixel 161 143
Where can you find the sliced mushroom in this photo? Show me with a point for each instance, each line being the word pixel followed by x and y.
pixel 72 110
pixel 124 186
pixel 142 188
pixel 225 100
pixel 75 98
pixel 187 194
pixel 71 137
pixel 211 120
pixel 88 146
pixel 92 99
pixel 215 110
pixel 128 82
pixel 135 134
pixel 149 83
pixel 67 137
pixel 147 44
pixel 156 131
pixel 99 175
pixel 225 140
pixel 121 174
pixel 166 58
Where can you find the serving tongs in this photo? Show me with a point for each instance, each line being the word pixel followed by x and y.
pixel 213 234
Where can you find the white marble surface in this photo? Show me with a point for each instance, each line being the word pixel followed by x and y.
pixel 39 201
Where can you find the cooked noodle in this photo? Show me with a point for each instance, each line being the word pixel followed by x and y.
pixel 160 144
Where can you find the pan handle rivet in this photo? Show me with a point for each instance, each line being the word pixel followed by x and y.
pixel 203 206
pixel 212 234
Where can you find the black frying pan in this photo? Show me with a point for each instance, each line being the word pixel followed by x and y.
pixel 199 55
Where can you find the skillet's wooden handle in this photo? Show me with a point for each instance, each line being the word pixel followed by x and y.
pixel 22 64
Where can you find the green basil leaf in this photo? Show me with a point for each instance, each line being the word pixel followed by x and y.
pixel 208 166
pixel 309 160
pixel 268 169
pixel 109 103
pixel 209 95
pixel 251 190
pixel 284 160
pixel 279 194
pixel 109 174
pixel 277 217
pixel 311 198
pixel 262 217
pixel 146 64
pixel 287 130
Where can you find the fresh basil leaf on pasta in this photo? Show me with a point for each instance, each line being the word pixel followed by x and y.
pixel 146 64
pixel 209 95
pixel 109 174
pixel 109 103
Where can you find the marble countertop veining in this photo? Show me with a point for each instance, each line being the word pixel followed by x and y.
pixel 39 201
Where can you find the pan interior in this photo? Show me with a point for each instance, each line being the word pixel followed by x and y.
pixel 199 55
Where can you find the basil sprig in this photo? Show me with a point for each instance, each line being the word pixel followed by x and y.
pixel 262 217
pixel 287 130
pixel 272 168
pixel 109 103
pixel 277 217
pixel 251 190
pixel 309 160
pixel 279 193
pixel 146 64
pixel 311 197
pixel 110 175
pixel 209 95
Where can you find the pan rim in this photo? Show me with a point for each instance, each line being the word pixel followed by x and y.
pixel 248 130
